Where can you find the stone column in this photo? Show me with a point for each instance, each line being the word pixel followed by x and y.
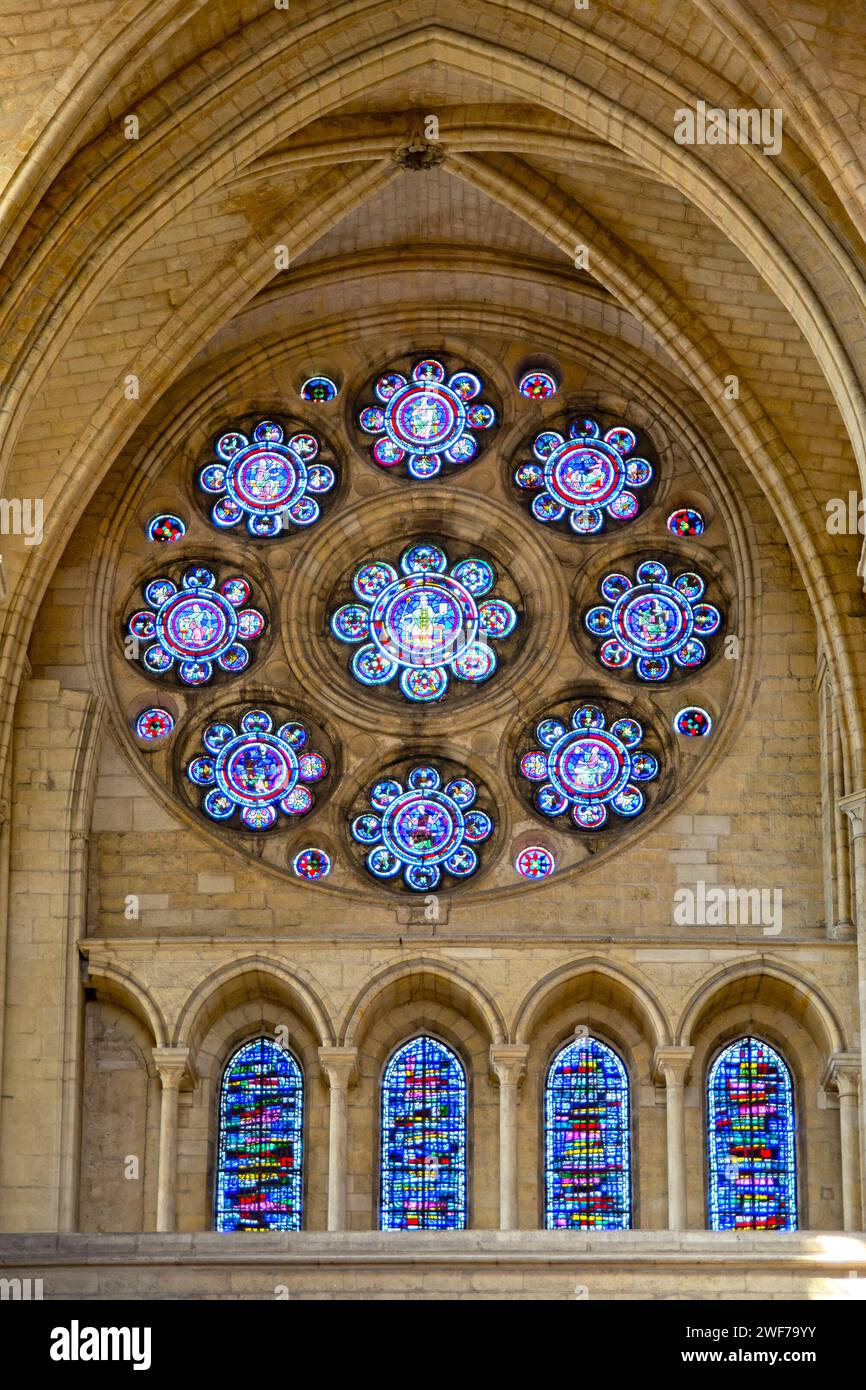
pixel 854 807
pixel 508 1061
pixel 171 1063
pixel 843 926
pixel 842 1074
pixel 340 1065
pixel 671 1064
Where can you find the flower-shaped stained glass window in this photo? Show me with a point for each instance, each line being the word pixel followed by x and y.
pixel 427 622
pixel 270 480
pixel 584 476
pixel 428 419
pixel 652 620
pixel 422 830
pixel 588 768
pixel 260 773
pixel 190 628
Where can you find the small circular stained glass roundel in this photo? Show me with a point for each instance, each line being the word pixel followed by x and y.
pixel 535 862
pixel 165 529
pixel 693 722
pixel 312 864
pixel 686 522
pixel 318 388
pixel 537 386
pixel 154 724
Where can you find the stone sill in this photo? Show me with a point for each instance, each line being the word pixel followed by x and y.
pixel 836 1252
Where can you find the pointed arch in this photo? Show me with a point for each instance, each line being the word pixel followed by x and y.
pixel 251 977
pixel 430 975
pixel 633 993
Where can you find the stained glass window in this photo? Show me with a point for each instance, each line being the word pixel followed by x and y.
pixel 751 1138
pixel 259 771
pixel 165 529
pixel 693 722
pixel 318 388
pixel 651 620
pixel 535 862
pixel 584 476
pixel 428 622
pixel 686 522
pixel 423 1139
pixel 192 629
pixel 588 767
pixel 153 724
pixel 586 1139
pixel 422 829
pixel 538 386
pixel 260 1171
pixel 427 419
pixel 270 480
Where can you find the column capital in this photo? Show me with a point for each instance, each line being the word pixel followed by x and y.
pixel 508 1062
pixel 173 1065
pixel 854 807
pixel 340 1065
pixel 671 1064
pixel 842 1073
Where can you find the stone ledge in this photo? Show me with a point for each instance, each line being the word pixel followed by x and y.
pixel 436 1265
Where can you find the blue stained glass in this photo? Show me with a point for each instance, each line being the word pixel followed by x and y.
pixel 256 771
pixel 423 1180
pixel 426 418
pixel 586 1139
pixel 426 623
pixel 584 476
pixel 265 479
pixel 318 388
pixel 259 1183
pixel 423 830
pixel 589 767
pixel 196 627
pixel 651 619
pixel 752 1140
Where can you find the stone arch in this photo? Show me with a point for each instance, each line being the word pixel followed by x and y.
pixel 117 986
pixel 770 1000
pixel 253 977
pixel 624 984
pixel 431 977
pixel 778 983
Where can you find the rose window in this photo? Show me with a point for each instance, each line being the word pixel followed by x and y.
pixel 188 629
pixel 255 771
pixel 584 476
pixel 588 768
pixel 269 480
pixel 422 830
pixel 427 419
pixel 652 620
pixel 428 622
